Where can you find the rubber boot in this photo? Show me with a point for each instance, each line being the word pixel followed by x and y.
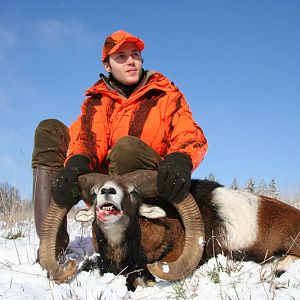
pixel 43 178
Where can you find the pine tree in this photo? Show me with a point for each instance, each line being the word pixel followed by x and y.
pixel 234 185
pixel 263 188
pixel 250 185
pixel 273 189
pixel 211 177
pixel 296 201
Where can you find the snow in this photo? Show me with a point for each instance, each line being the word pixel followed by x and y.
pixel 220 278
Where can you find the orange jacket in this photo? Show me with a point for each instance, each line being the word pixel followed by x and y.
pixel 157 113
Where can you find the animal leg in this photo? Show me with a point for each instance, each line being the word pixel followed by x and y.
pixel 284 263
pixel 143 278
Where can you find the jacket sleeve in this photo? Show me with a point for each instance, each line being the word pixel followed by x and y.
pixel 87 133
pixel 184 134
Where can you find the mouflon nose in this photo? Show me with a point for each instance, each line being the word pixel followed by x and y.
pixel 108 191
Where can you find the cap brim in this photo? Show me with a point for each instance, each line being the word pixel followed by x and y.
pixel 139 43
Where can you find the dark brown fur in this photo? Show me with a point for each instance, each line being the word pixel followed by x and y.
pixel 279 230
pixel 163 238
pixel 279 225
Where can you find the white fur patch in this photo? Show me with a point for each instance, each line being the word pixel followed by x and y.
pixel 151 211
pixel 115 198
pixel 165 268
pixel 238 209
pixel 114 232
pixel 114 226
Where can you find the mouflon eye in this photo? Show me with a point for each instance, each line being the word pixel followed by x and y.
pixel 134 193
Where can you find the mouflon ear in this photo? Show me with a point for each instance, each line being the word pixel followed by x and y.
pixel 85 214
pixel 151 211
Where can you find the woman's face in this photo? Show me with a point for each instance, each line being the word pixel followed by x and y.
pixel 126 64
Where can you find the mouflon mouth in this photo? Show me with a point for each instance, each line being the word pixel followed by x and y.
pixel 107 209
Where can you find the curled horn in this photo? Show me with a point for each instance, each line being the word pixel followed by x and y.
pixel 52 222
pixel 145 181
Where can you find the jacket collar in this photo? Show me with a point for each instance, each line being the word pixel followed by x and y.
pixel 124 90
pixel 152 80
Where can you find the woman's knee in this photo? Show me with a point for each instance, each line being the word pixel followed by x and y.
pixel 131 153
pixel 51 141
pixel 52 127
pixel 127 145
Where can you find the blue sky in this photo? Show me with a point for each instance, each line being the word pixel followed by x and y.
pixel 237 62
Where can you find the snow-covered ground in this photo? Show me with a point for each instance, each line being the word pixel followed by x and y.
pixel 22 278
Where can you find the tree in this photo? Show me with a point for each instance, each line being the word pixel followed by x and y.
pixel 8 195
pixel 234 185
pixel 250 185
pixel 211 177
pixel 273 189
pixel 297 199
pixel 263 188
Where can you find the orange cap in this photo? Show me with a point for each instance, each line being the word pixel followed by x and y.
pixel 114 41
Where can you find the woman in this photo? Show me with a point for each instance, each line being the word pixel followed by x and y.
pixel 132 119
